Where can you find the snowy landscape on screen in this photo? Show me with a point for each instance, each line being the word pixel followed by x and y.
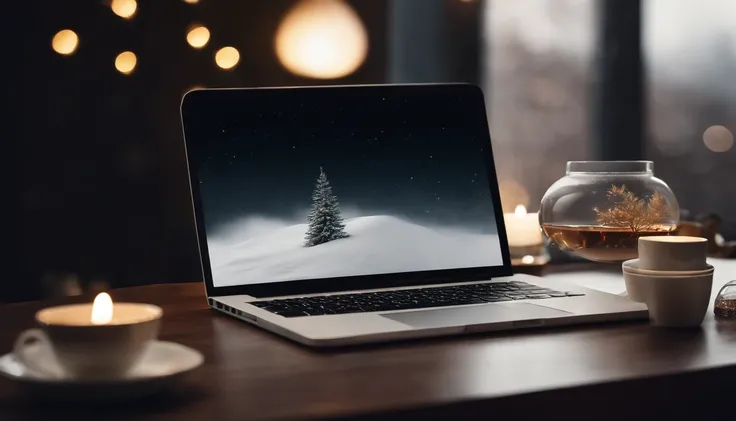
pixel 272 251
pixel 308 186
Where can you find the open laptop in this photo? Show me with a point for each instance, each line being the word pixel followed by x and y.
pixel 353 214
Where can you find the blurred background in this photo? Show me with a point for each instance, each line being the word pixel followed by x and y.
pixel 95 175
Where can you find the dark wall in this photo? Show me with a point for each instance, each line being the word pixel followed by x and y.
pixel 100 175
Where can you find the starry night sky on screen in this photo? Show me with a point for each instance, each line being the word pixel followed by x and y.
pixel 410 152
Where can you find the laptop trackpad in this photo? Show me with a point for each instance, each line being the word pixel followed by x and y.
pixel 483 314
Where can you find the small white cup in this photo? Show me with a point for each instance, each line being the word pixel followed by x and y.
pixel 673 301
pixel 673 253
pixel 87 351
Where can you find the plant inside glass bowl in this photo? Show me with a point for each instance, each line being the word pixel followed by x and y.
pixel 599 210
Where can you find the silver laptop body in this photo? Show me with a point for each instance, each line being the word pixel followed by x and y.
pixel 353 214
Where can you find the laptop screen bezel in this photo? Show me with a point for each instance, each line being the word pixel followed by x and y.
pixel 471 97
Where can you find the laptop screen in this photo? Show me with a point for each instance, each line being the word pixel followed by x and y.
pixel 300 184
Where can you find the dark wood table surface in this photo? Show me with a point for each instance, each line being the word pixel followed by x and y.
pixel 594 372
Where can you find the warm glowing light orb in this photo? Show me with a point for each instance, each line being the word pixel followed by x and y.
pixel 718 138
pixel 227 57
pixel 101 309
pixel 124 8
pixel 125 62
pixel 198 36
pixel 65 42
pixel 321 39
pixel 191 1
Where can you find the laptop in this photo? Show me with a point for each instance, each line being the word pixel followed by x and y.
pixel 353 214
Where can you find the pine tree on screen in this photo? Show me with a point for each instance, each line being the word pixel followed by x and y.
pixel 325 222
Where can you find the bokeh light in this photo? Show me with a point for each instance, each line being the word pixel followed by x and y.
pixel 65 42
pixel 718 138
pixel 227 57
pixel 322 39
pixel 125 62
pixel 198 36
pixel 191 1
pixel 124 8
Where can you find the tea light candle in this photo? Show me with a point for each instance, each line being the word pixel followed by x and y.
pixel 522 228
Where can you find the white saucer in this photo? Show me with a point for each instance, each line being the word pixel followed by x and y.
pixel 162 365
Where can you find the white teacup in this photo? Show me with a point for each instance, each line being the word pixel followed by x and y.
pixel 673 253
pixel 90 351
pixel 673 301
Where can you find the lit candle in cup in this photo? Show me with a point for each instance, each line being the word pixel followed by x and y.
pixel 96 340
pixel 522 228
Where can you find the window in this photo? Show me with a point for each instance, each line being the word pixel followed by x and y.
pixel 690 48
pixel 537 77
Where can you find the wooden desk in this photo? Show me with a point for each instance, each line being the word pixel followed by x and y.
pixel 594 372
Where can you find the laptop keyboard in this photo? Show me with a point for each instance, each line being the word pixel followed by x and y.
pixel 409 299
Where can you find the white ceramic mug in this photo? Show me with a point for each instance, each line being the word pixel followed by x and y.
pixel 67 345
pixel 673 253
pixel 673 301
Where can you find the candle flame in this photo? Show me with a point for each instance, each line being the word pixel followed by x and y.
pixel 520 210
pixel 102 309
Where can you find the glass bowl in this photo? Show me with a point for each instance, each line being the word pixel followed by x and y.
pixel 599 209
